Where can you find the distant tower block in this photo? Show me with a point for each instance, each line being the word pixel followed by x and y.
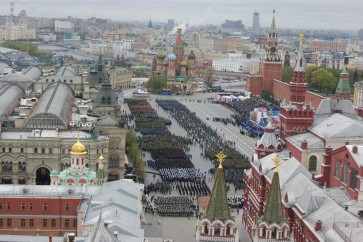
pixel 11 12
pixel 256 23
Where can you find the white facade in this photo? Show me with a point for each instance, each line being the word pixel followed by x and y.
pixel 63 26
pixel 47 37
pixel 236 65
pixel 10 32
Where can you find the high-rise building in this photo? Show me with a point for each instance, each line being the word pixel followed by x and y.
pixel 230 24
pixel 256 23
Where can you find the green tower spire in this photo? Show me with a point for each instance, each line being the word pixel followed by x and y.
pixel 218 206
pixel 343 87
pixel 273 24
pixel 273 210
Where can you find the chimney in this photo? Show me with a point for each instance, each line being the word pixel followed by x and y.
pixel 355 149
pixel 328 149
pixel 50 238
pixel 304 144
pixel 71 237
pixel 115 234
pixel 318 225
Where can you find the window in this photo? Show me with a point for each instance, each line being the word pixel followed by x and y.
pixel 31 223
pixel 337 169
pixel 8 222
pixel 21 150
pixel 22 223
pixel 30 206
pixel 23 206
pixel 1 223
pixel 53 223
pixel 353 178
pixel 35 150
pixel 43 150
pixel 312 163
pixel 345 174
pixel 8 206
pixel 63 151
pixel 45 223
pixel 1 206
pixel 45 207
pixel 3 149
pixel 10 150
pixel 66 223
pixel 67 207
pixel 74 223
pixel 50 150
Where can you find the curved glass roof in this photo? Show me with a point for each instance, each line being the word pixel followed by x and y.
pixel 53 109
pixel 9 98
pixel 32 73
pixel 66 71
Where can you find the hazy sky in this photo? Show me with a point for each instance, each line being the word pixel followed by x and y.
pixel 306 14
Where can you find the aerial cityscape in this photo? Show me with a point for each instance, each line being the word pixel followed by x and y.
pixel 168 121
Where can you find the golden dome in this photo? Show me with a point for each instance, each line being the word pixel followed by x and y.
pixel 101 158
pixel 78 149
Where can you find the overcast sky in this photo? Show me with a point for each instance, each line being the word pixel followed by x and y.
pixel 303 14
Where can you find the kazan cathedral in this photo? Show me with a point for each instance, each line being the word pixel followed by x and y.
pixel 178 70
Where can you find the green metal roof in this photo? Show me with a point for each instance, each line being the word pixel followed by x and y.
pixel 343 84
pixel 273 210
pixel 218 206
pixel 273 25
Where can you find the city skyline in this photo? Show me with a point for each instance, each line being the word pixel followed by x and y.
pixel 289 14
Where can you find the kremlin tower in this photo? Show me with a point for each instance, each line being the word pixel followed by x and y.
pixel 270 67
pixel 296 116
pixel 343 88
pixel 218 224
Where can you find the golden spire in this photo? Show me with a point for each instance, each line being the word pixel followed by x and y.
pixel 220 157
pixel 277 161
pixel 301 37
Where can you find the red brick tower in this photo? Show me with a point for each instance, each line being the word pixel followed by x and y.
pixel 271 67
pixel 178 49
pixel 296 116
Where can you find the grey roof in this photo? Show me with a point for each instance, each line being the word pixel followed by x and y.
pixel 14 56
pixel 7 50
pixel 32 73
pixel 338 126
pixel 66 71
pixel 327 106
pixel 107 120
pixel 9 96
pixel 53 108
pixel 358 157
pixel 119 203
pixel 15 77
pixel 49 191
pixel 44 133
pixel 316 205
pixel 300 61
pixel 28 238
pixel 314 142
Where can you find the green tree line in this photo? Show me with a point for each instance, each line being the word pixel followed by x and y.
pixel 32 49
pixel 134 154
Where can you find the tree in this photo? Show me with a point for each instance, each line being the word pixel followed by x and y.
pixel 323 80
pixel 208 82
pixel 25 46
pixel 157 83
pixel 287 74
pixel 308 73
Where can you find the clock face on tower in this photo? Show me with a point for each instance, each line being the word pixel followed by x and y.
pixel 273 49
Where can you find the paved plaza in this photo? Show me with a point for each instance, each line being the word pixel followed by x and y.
pixel 183 228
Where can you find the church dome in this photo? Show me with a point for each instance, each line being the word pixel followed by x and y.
pixel 171 57
pixel 54 173
pixel 191 55
pixel 183 63
pixel 161 55
pixel 78 149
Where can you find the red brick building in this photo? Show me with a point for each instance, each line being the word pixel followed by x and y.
pixel 40 210
pixel 343 167
pixel 305 204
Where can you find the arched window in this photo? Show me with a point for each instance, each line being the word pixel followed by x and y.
pixel 337 169
pixel 345 174
pixel 312 163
